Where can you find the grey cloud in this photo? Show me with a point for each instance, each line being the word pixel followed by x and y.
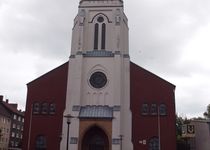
pixel 41 27
pixel 158 32
pixel 164 27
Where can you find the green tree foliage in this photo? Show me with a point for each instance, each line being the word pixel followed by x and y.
pixel 207 113
pixel 180 142
pixel 179 122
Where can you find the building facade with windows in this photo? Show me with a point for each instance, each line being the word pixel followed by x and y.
pixel 5 124
pixel 115 104
pixel 202 134
pixel 11 124
pixel 197 134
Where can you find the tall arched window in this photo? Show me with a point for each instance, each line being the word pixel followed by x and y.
pixel 45 108
pixel 36 108
pixel 41 142
pixel 96 37
pixel 144 109
pixel 163 110
pixel 52 108
pixel 103 36
pixel 154 143
pixel 100 33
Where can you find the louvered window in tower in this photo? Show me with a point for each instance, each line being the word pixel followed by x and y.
pixel 103 36
pixel 96 37
pixel 100 34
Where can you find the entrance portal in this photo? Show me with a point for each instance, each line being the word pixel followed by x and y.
pixel 95 139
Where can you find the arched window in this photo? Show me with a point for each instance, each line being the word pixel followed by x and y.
pixel 36 108
pixel 144 109
pixel 163 110
pixel 41 142
pixel 154 143
pixel 153 109
pixel 52 108
pixel 100 33
pixel 103 36
pixel 45 108
pixel 96 37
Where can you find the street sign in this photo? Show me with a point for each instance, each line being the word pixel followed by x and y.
pixel 188 130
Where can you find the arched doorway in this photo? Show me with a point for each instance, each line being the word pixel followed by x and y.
pixel 95 139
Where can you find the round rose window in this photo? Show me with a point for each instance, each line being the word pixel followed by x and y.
pixel 98 79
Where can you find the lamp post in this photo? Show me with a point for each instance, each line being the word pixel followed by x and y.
pixel 159 128
pixel 121 138
pixel 30 124
pixel 68 121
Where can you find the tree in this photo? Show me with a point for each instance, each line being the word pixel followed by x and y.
pixel 180 142
pixel 179 123
pixel 207 113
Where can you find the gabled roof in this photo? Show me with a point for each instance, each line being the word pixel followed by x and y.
pixel 12 108
pixel 135 65
pixel 152 74
pixel 48 73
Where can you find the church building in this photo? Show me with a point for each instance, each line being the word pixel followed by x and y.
pixel 99 99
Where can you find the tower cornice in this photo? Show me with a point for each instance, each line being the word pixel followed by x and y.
pixel 101 0
pixel 104 2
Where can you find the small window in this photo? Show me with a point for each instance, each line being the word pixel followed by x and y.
pixel 116 141
pixel 154 143
pixel 13 134
pixel 73 140
pixel 19 118
pixel 18 127
pixel 52 108
pixel 153 109
pixel 45 108
pixel 15 117
pixel 163 110
pixel 145 109
pixel 100 19
pixel 12 143
pixel 36 108
pixel 41 142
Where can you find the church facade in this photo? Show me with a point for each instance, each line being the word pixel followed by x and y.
pixel 99 99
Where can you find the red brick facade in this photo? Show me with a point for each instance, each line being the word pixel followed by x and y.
pixel 151 89
pixel 145 87
pixel 49 88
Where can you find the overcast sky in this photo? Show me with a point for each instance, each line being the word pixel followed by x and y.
pixel 170 38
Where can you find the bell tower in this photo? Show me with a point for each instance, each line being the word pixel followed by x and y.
pixel 98 88
pixel 100 25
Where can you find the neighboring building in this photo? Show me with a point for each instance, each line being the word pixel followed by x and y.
pixel 116 104
pixel 201 136
pixel 13 127
pixel 5 124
